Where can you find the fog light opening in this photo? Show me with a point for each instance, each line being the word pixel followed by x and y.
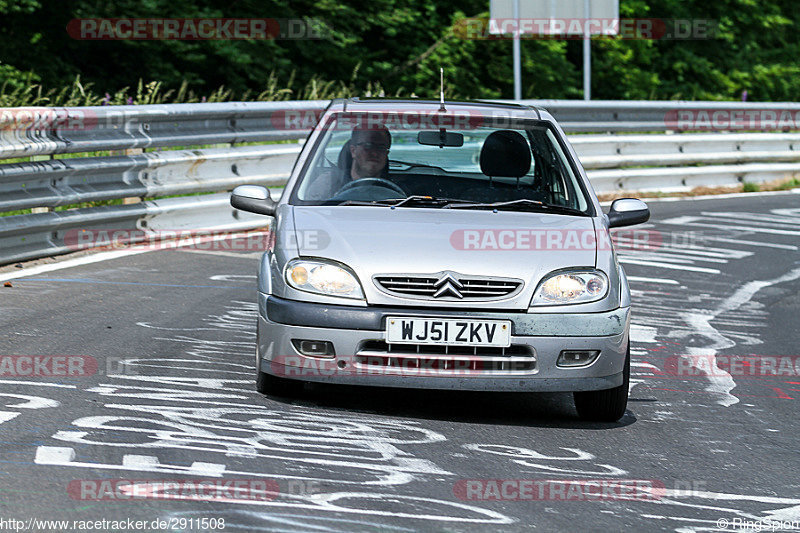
pixel 573 358
pixel 314 348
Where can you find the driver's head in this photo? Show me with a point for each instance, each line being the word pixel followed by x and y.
pixel 370 150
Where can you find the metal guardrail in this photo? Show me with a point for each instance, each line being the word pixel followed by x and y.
pixel 60 182
pixel 52 131
pixel 659 115
pixel 673 163
pixel 133 169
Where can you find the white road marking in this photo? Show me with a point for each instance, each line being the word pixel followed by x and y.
pixel 713 196
pixel 54 455
pixel 114 254
pixel 742 220
pixel 69 263
pixel 30 402
pixel 200 468
pixel 37 384
pixel 643 333
pixel 629 261
pixel 648 366
pixel 671 257
pixel 5 416
pixel 753 243
pixel 790 211
pixel 137 461
pixel 232 277
pixel 653 280
pixel 721 381
pixel 681 221
pixel 251 255
pixel 730 227
pixel 524 456
pixel 757 217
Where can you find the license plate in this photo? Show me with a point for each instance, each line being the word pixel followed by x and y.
pixel 448 331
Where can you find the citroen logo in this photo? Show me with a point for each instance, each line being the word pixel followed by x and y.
pixel 448 284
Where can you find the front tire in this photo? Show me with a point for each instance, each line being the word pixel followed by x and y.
pixel 275 386
pixel 605 405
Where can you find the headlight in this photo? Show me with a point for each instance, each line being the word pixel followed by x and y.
pixel 321 277
pixel 575 287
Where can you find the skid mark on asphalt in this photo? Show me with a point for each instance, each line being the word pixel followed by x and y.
pixel 705 507
pixel 701 316
pixel 142 283
pixel 358 462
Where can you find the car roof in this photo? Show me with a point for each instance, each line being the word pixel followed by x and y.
pixel 428 105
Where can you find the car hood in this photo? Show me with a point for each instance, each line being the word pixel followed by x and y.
pixel 379 240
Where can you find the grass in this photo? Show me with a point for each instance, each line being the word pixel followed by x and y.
pixel 777 185
pixel 153 92
pixel 790 184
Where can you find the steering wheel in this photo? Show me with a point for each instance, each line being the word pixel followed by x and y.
pixel 371 182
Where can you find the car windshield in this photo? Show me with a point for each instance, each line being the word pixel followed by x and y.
pixel 471 164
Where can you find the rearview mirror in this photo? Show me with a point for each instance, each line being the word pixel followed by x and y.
pixel 254 199
pixel 627 212
pixel 440 138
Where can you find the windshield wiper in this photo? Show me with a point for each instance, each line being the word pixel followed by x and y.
pixel 426 200
pixel 361 202
pixel 524 203
pixel 411 200
pixel 413 165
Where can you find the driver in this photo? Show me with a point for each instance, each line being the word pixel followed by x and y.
pixel 369 156
pixel 369 149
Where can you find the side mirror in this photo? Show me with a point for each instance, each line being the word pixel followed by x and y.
pixel 627 212
pixel 254 199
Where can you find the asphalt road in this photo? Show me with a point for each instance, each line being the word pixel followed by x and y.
pixel 172 399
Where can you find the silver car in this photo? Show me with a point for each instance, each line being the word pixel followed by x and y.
pixel 444 245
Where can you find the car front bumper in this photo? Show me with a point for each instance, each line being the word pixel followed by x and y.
pixel 355 331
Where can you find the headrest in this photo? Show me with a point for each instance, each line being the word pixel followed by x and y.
pixel 505 154
pixel 345 160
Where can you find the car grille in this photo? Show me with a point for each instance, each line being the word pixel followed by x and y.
pixel 471 288
pixel 420 359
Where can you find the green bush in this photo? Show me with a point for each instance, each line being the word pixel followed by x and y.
pixel 19 92
pixel 791 184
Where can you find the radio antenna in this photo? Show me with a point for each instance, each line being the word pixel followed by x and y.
pixel 441 90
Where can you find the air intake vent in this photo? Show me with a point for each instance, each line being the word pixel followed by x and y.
pixel 448 286
pixel 444 360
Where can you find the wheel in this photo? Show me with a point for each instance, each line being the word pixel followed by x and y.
pixel 275 386
pixel 370 182
pixel 605 405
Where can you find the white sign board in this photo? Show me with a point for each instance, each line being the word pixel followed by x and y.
pixel 555 17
